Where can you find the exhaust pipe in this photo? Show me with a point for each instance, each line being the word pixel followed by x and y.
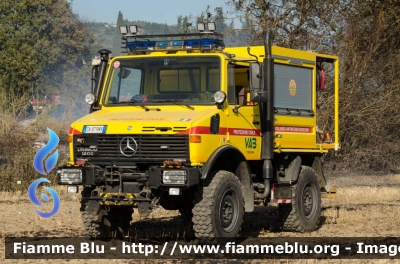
pixel 104 55
pixel 267 176
pixel 266 193
pixel 268 134
pixel 267 128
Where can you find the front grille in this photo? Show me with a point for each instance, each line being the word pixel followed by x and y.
pixel 149 147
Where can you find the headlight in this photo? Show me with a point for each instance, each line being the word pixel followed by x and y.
pixel 174 177
pixel 89 98
pixel 70 176
pixel 219 97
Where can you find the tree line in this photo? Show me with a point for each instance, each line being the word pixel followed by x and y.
pixel 365 34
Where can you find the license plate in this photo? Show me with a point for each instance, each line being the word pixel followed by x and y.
pixel 72 189
pixel 94 129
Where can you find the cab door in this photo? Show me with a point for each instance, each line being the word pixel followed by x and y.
pixel 243 117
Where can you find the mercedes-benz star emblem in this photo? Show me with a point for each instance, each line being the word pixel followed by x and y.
pixel 128 146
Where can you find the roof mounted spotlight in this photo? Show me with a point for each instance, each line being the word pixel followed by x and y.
pixel 133 29
pixel 201 26
pixel 211 26
pixel 123 30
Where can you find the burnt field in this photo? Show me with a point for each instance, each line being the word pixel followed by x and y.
pixel 366 206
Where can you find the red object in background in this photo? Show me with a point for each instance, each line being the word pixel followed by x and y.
pixel 53 99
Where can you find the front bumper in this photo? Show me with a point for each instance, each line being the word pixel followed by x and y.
pixel 155 177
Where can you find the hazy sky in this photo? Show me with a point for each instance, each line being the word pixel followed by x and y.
pixel 160 11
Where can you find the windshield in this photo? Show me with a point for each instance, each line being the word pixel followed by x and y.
pixel 164 80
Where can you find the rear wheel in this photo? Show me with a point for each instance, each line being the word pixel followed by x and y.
pixel 304 212
pixel 219 208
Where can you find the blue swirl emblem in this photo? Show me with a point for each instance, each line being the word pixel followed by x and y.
pixel 43 152
pixel 49 164
pixel 32 196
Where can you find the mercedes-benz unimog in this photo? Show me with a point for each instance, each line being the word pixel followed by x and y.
pixel 183 122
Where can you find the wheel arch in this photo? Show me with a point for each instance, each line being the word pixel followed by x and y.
pixel 231 159
pixel 293 167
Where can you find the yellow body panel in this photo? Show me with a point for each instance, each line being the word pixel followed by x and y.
pixel 296 133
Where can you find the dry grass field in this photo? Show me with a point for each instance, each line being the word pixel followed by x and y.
pixel 366 206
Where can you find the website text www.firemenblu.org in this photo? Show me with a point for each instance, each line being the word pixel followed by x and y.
pixel 231 248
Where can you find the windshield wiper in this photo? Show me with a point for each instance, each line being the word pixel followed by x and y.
pixel 174 102
pixel 134 104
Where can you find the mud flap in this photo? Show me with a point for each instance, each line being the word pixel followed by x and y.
pixel 317 166
pixel 293 170
pixel 248 195
pixel 93 206
pixel 144 208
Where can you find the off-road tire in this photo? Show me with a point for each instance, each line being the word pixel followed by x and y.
pixel 114 222
pixel 304 212
pixel 218 207
pixel 187 223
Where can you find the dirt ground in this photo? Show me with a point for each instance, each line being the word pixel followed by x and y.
pixel 366 206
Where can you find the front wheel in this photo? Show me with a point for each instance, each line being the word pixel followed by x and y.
pixel 219 208
pixel 113 222
pixel 304 212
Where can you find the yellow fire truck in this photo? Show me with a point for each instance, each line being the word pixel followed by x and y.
pixel 184 122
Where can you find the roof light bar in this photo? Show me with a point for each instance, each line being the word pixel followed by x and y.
pixel 192 44
pixel 162 45
pixel 188 44
pixel 142 44
pixel 177 44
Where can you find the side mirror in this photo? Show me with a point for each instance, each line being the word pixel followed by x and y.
pixel 255 76
pixel 124 73
pixel 257 93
